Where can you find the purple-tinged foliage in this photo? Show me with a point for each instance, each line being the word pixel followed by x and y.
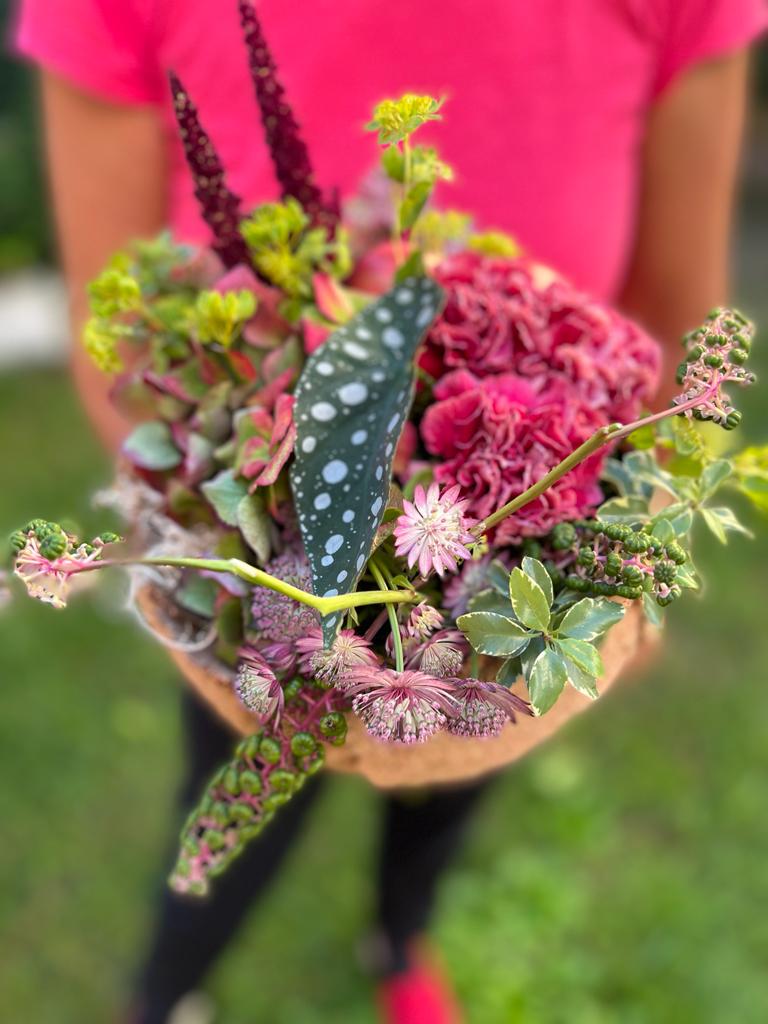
pixel 220 206
pixel 286 146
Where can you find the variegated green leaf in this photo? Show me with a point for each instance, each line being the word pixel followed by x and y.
pixel 352 400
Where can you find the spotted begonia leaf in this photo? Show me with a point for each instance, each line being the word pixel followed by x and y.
pixel 352 400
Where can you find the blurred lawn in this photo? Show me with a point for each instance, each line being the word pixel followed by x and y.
pixel 616 876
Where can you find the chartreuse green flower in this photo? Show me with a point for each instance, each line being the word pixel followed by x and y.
pixel 396 120
pixel 494 243
pixel 517 620
pixel 218 316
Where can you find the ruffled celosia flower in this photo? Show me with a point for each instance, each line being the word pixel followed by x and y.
pixel 402 707
pixel 496 436
pixel 506 315
pixel 276 616
pixel 339 666
pixel 256 685
pixel 423 620
pixel 484 708
pixel 433 530
pixel 49 579
pixel 441 654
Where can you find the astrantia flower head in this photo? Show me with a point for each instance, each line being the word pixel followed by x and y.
pixel 339 666
pixel 402 707
pixel 433 530
pixel 47 558
pixel 423 620
pixel 276 616
pixel 256 685
pixel 716 354
pixel 441 654
pixel 485 708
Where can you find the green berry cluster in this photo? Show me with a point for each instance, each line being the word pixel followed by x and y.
pixel 267 770
pixel 614 559
pixel 53 541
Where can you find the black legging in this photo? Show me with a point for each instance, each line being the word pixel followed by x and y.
pixel 421 835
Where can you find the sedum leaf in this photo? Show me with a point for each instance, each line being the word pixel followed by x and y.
pixel 490 633
pixel 255 525
pixel 528 600
pixel 225 492
pixel 352 400
pixel 150 446
pixel 548 677
pixel 590 618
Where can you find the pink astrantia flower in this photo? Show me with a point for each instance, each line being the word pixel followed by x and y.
pixel 49 579
pixel 485 708
pixel 423 620
pixel 339 666
pixel 506 315
pixel 433 530
pixel 402 707
pixel 496 437
pixel 256 685
pixel 277 617
pixel 441 654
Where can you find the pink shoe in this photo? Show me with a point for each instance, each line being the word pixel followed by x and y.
pixel 420 995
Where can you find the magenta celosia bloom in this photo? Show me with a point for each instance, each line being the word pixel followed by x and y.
pixel 278 617
pixel 49 579
pixel 441 654
pixel 402 707
pixel 348 655
pixel 506 315
pixel 256 685
pixel 495 437
pixel 484 708
pixel 433 530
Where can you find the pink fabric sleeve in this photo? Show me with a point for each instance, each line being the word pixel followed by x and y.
pixel 696 30
pixel 107 47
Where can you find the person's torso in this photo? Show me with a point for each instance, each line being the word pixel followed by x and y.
pixel 545 111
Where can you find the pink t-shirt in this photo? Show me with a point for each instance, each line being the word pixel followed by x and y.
pixel 547 98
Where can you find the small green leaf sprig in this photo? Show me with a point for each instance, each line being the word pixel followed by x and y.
pixel 519 620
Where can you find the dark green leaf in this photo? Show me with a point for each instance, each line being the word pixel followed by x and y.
pixel 498 577
pixel 150 446
pixel 225 492
pixel 548 677
pixel 528 600
pixel 352 400
pixel 490 601
pixel 509 673
pixel 663 531
pixel 493 634
pixel 590 618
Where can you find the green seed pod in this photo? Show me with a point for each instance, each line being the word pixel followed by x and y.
pixel 574 582
pixel 632 575
pixel 250 783
pixel 40 527
pixel 603 589
pixel 663 602
pixel 248 749
pixel 18 540
pixel 214 840
pixel 317 762
pixel 614 563
pixel 532 548
pixel 182 867
pixel 333 724
pixel 190 847
pixel 293 689
pixel 270 750
pixel 241 813
pixel 586 557
pixel 629 592
pixel 231 781
pixel 737 356
pixel 733 419
pixel 303 744
pixel 275 800
pixel 53 545
pixel 563 536
pixel 695 354
pixel 665 572
pixel 220 813
pixel 680 373
pixel 713 359
pixel 282 781
pixel 676 553
pixel 249 832
pixel 109 538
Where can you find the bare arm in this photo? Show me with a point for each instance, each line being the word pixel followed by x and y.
pixel 679 268
pixel 107 174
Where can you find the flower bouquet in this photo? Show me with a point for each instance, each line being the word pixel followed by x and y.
pixel 387 468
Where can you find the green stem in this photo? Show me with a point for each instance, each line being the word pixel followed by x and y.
pixel 397 640
pixel 256 577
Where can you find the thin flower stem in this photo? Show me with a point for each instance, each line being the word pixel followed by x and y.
pixel 397 640
pixel 256 577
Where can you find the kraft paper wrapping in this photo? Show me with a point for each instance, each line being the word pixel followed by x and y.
pixel 441 759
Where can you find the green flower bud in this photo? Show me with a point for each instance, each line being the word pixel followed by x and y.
pixel 248 749
pixel 676 553
pixel 576 583
pixel 231 781
pixel 732 420
pixel 563 536
pixel 240 813
pixel 316 763
pixel 109 538
pixel 303 744
pixel 713 359
pixel 614 563
pixel 270 750
pixel 586 557
pixel 18 540
pixel 680 373
pixel 632 575
pixel 275 800
pixel 215 840
pixel 220 813
pixel 737 356
pixel 695 354
pixel 532 548
pixel 293 689
pixel 629 592
pixel 603 589
pixel 665 572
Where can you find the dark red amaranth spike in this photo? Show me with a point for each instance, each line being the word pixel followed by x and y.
pixel 288 150
pixel 220 207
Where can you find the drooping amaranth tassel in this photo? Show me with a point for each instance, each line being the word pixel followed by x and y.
pixel 287 148
pixel 220 207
